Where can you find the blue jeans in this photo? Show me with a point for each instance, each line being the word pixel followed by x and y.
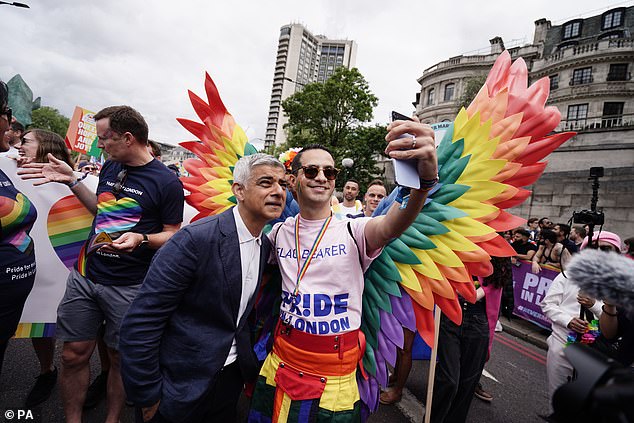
pixel 462 352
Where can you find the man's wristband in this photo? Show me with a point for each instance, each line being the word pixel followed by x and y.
pixel 607 312
pixel 427 184
pixel 76 181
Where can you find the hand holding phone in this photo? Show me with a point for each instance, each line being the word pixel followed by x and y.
pixel 405 171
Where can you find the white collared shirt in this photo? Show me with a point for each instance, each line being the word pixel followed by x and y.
pixel 250 266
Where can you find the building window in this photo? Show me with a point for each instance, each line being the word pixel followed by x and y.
pixel 554 82
pixel 581 76
pixel 571 29
pixel 612 114
pixel 430 97
pixel 577 114
pixel 612 19
pixel 449 89
pixel 612 35
pixel 618 72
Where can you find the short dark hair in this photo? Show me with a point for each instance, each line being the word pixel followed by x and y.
pixel 156 148
pixel 376 182
pixel 352 180
pixel 542 220
pixel 17 126
pixel 4 97
pixel 297 163
pixel 550 235
pixel 581 231
pixel 125 119
pixel 523 232
pixel 630 244
pixel 565 228
pixel 532 219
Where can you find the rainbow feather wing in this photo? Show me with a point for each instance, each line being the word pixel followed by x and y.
pixel 489 153
pixel 220 143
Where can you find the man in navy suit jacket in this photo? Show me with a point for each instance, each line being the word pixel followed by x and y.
pixel 185 343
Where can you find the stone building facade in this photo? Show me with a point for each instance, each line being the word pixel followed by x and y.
pixel 589 63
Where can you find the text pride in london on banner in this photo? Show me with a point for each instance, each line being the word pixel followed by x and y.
pixel 529 290
pixel 82 132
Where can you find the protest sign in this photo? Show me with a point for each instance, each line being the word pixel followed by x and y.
pixel 82 133
pixel 529 290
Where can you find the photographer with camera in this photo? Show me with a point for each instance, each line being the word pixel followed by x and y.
pixel 603 389
pixel 561 306
pixel 617 323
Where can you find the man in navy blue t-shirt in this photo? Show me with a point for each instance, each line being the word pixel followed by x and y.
pixel 138 206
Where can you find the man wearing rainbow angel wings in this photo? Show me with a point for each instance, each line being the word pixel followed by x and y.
pixel 326 340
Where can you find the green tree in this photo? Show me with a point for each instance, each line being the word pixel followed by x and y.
pixel 364 145
pixel 327 112
pixel 471 88
pixel 50 119
pixel 332 114
pixel 275 150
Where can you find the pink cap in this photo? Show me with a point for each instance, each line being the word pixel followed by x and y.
pixel 606 236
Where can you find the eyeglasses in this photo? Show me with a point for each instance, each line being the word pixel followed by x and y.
pixel 121 177
pixel 312 171
pixel 9 114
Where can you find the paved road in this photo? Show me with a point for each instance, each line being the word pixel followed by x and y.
pixel 516 377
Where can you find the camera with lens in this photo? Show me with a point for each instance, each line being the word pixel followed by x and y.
pixel 588 217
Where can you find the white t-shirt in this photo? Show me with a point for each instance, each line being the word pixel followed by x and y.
pixel 329 297
pixel 355 209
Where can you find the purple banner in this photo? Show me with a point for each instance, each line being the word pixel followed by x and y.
pixel 529 290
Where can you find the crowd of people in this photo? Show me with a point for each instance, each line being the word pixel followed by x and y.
pixel 175 342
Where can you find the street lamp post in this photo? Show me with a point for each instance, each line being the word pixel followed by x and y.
pixel 286 78
pixel 347 163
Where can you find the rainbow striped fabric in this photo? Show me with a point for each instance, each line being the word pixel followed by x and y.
pixel 339 399
pixel 16 220
pixel 68 225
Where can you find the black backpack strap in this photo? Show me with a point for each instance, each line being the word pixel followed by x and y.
pixel 355 243
pixel 277 232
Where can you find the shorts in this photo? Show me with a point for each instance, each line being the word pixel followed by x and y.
pixel 86 305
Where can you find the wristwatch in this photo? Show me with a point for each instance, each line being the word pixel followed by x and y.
pixel 145 240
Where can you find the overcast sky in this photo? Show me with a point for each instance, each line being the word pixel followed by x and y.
pixel 147 54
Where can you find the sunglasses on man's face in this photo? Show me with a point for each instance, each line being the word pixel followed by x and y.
pixel 9 114
pixel 121 177
pixel 312 171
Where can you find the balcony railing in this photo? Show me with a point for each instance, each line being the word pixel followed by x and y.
pixel 585 49
pixel 619 76
pixel 597 123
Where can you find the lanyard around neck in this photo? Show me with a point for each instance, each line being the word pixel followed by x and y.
pixel 301 270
